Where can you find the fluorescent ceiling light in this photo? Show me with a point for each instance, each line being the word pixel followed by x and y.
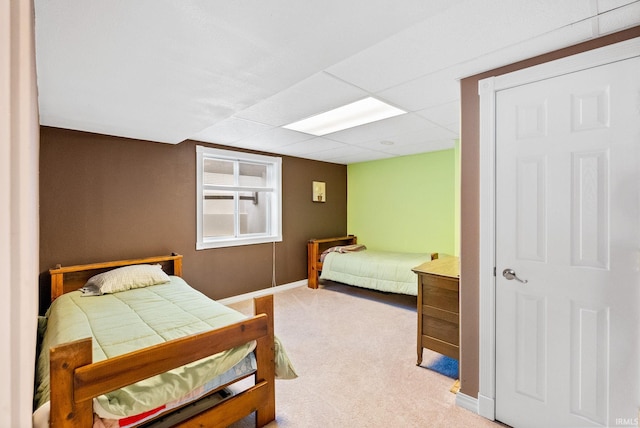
pixel 361 112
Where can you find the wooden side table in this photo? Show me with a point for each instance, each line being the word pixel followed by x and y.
pixel 438 306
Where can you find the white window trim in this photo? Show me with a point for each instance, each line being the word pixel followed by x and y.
pixel 275 215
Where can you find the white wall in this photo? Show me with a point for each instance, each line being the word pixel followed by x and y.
pixel 19 148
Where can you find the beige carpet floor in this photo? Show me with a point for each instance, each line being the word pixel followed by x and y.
pixel 355 354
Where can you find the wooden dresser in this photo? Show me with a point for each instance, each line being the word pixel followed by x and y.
pixel 438 306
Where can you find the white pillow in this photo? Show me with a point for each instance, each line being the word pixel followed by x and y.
pixel 124 278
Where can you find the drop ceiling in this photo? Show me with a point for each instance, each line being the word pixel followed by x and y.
pixel 235 72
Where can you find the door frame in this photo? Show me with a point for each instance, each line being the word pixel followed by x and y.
pixel 487 89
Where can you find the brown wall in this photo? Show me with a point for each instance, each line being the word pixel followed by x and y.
pixel 470 203
pixel 109 198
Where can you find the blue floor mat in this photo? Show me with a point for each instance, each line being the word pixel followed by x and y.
pixel 445 365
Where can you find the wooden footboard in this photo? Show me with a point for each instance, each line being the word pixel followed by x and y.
pixel 315 247
pixel 75 381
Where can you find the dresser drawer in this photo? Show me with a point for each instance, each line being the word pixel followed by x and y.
pixel 440 293
pixel 440 329
pixel 444 348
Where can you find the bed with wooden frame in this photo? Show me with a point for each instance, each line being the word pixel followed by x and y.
pixel 75 380
pixel 365 276
pixel 315 248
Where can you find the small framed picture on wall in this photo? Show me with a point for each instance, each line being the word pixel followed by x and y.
pixel 319 191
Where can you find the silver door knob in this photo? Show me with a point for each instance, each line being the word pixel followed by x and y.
pixel 511 274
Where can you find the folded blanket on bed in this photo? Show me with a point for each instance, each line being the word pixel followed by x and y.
pixel 342 249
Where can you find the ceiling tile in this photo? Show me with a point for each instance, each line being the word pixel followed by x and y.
pixel 352 155
pixel 446 115
pixel 454 36
pixel 317 94
pixel 553 40
pixel 272 139
pixel 618 19
pixel 421 148
pixel 382 129
pixel 230 130
pixel 428 91
pixel 605 5
pixel 314 145
pixel 414 139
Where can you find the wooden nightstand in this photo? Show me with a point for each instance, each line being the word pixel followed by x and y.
pixel 438 306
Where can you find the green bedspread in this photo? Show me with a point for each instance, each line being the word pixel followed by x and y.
pixel 379 270
pixel 123 322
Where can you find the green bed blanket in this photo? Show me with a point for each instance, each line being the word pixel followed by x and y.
pixel 123 322
pixel 379 270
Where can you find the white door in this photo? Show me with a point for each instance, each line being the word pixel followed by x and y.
pixel 568 223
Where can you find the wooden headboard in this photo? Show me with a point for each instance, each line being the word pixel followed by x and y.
pixel 70 278
pixel 315 247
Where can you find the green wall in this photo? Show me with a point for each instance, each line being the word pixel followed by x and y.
pixel 456 233
pixel 406 204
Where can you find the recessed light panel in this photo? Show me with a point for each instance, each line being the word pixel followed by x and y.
pixel 358 113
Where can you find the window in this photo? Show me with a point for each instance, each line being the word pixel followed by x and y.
pixel 239 198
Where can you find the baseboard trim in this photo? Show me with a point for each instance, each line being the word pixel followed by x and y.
pixel 486 407
pixel 467 402
pixel 263 292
